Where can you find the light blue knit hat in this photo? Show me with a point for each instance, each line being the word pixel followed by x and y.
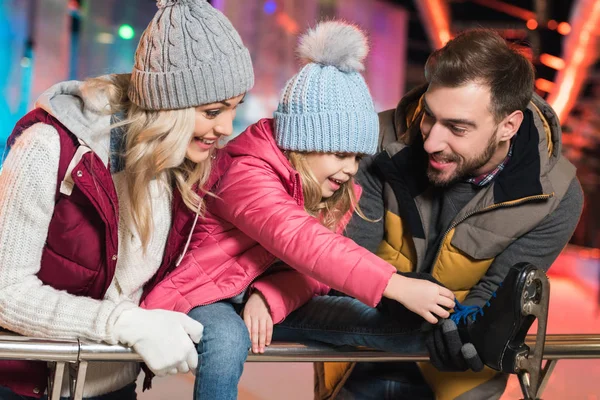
pixel 327 107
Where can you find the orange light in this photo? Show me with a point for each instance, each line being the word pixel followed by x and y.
pixel 544 85
pixel 579 52
pixel 564 28
pixel 445 36
pixel 440 16
pixel 552 24
pixel 532 24
pixel 437 21
pixel 287 23
pixel 552 61
pixel 509 9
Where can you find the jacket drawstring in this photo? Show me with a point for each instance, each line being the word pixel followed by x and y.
pixel 189 239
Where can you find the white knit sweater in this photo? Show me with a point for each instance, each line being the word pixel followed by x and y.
pixel 27 190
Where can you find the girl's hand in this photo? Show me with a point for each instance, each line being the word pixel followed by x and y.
pixel 422 297
pixel 258 321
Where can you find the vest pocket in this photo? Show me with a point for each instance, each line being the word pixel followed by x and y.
pixel 456 269
pixel 63 274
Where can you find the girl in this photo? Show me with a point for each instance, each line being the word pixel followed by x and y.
pixel 287 192
pixel 80 239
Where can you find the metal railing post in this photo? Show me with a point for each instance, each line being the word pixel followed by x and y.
pixel 55 380
pixel 78 381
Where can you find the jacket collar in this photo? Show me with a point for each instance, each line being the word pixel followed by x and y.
pixel 258 141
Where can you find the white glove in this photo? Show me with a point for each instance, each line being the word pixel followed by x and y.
pixel 164 339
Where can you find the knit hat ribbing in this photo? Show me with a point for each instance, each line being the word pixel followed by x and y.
pixel 327 107
pixel 189 55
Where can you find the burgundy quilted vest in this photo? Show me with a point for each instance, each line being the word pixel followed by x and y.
pixel 81 249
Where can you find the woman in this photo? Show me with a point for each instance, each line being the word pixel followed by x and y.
pixel 94 179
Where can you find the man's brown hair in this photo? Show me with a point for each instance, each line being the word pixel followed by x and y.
pixel 483 56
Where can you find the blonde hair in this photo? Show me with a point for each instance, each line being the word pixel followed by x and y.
pixel 329 211
pixel 155 147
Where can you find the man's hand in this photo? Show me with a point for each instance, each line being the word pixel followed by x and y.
pixel 447 351
pixel 258 321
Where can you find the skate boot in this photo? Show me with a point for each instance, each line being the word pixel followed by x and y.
pixel 498 329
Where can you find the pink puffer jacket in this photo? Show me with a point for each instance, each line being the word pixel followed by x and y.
pixel 256 218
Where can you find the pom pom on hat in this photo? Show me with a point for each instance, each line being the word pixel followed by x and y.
pixel 335 43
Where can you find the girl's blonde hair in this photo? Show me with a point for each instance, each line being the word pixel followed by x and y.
pixel 155 147
pixel 329 211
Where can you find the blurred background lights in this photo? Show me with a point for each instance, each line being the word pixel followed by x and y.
pixel 126 32
pixel 105 38
pixel 270 7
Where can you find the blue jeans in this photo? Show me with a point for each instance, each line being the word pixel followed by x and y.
pixel 222 351
pixel 126 393
pixel 342 320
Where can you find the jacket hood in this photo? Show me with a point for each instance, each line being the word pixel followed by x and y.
pixel 69 102
pixel 258 140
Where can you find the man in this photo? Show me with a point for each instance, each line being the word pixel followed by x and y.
pixel 470 182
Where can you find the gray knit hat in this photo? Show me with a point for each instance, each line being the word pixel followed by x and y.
pixel 189 55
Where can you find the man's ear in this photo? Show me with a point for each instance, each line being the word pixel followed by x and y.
pixel 510 126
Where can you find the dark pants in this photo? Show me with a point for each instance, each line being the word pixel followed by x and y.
pixel 386 381
pixel 342 320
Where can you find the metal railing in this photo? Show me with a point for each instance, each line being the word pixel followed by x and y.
pixel 528 364
pixel 14 347
pixel 78 354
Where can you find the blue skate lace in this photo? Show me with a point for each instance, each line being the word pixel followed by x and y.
pixel 462 312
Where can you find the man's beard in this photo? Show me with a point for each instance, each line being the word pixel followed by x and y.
pixel 464 168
